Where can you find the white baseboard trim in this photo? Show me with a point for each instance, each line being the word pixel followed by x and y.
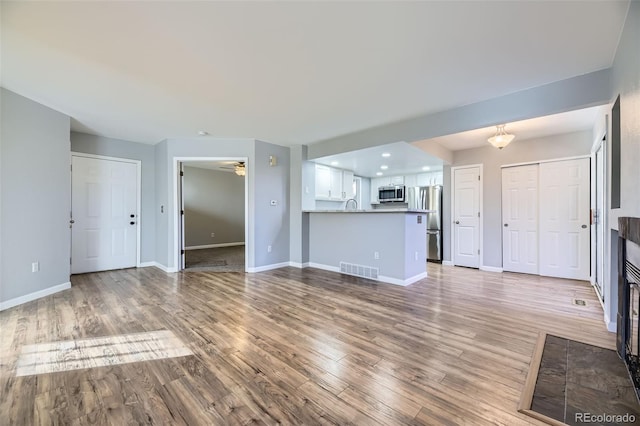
pixel 490 269
pixel 163 268
pixel 381 278
pixel 324 267
pixel 403 283
pixel 447 263
pixel 206 246
pixel 146 264
pixel 299 265
pixel 267 267
pixel 611 325
pixel 33 296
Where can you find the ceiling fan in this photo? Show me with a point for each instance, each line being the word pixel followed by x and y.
pixel 237 166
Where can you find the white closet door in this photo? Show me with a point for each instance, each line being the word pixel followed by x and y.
pixel 466 226
pixel 564 219
pixel 520 219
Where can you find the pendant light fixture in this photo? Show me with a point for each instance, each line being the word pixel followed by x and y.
pixel 501 138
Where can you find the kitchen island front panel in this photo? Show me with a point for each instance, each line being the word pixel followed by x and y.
pixel 393 242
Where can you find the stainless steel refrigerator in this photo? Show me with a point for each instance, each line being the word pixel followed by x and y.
pixel 429 198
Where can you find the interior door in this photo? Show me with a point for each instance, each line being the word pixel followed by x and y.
pixel 104 212
pixel 564 219
pixel 520 219
pixel 466 217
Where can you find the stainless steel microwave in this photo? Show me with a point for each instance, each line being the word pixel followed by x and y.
pixel 393 193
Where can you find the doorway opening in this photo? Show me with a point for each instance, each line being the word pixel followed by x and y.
pixel 211 202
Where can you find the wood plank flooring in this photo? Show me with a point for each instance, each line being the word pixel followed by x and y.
pixel 296 346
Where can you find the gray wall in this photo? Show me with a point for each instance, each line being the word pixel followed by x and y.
pixel 626 83
pixel 519 151
pixel 98 145
pixel 354 237
pixel 573 93
pixel 213 202
pixel 272 222
pixel 35 188
pixel 268 225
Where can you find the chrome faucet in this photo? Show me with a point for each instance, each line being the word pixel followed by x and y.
pixel 355 203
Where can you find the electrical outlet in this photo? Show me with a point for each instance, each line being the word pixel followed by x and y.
pixel 35 266
pixel 376 255
pixel 268 249
pixel 213 234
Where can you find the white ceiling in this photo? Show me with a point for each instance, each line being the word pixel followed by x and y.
pixel 404 159
pixel 566 122
pixel 290 72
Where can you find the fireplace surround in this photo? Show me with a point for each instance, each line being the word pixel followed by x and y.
pixel 628 332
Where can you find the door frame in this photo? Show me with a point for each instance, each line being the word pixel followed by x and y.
pixel 480 226
pixel 138 164
pixel 598 250
pixel 177 161
pixel 553 160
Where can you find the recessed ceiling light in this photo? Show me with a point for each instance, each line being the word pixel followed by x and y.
pixel 425 168
pixel 379 174
pixel 203 133
pixel 334 163
pixel 386 154
pixel 384 167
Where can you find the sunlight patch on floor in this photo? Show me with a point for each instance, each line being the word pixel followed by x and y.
pixel 68 355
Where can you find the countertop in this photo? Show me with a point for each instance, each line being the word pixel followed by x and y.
pixel 398 210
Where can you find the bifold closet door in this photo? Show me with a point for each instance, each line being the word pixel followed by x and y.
pixel 520 219
pixel 564 219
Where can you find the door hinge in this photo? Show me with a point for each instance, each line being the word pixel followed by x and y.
pixel 181 251
pixel 478 177
pixel 181 173
pixel 478 214
pixel 478 251
pixel 182 212
pixel 70 261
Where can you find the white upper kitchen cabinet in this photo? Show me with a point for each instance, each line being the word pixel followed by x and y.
pixel 347 185
pixel 336 192
pixel 410 180
pixel 333 184
pixel 323 182
pixel 397 180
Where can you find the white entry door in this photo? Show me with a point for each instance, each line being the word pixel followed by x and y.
pixel 104 213
pixel 466 217
pixel 520 219
pixel 564 219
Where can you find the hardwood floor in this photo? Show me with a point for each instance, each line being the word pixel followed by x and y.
pixel 296 347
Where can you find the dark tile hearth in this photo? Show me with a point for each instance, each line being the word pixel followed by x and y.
pixel 577 378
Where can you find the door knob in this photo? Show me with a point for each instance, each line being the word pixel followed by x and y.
pixel 457 222
pixel 584 226
pixel 132 223
pixel 506 225
pixel 72 221
pixel 132 215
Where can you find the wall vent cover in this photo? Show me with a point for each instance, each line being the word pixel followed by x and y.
pixel 359 270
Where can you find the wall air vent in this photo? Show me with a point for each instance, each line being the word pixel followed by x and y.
pixel 359 270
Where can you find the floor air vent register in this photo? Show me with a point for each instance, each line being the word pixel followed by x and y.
pixel 359 270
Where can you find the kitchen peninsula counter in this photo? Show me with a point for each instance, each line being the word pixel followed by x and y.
pixel 387 245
